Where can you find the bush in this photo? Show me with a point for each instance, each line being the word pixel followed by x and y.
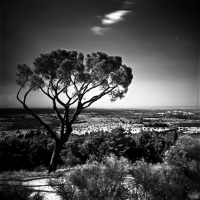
pixel 158 182
pixel 94 181
pixel 69 159
pixel 185 158
pixel 177 178
pixel 100 144
pixel 74 145
pixel 186 149
pixel 154 146
pixel 24 153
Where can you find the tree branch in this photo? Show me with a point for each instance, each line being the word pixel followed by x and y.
pixel 74 81
pixel 82 86
pixel 95 98
pixel 46 93
pixel 56 110
pixel 34 115
pixel 18 95
pixel 76 113
pixel 24 101
pixel 58 99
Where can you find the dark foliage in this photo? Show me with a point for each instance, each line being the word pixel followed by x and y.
pixel 25 152
pixel 97 145
pixel 154 145
pixel 34 149
pixel 75 145
pixel 156 124
pixel 100 144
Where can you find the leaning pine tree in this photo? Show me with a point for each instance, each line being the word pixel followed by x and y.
pixel 67 72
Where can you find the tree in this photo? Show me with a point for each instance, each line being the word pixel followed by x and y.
pixel 68 72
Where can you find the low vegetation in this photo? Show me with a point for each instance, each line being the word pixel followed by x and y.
pixel 149 146
pixel 109 165
pixel 33 150
pixel 95 180
pixel 118 178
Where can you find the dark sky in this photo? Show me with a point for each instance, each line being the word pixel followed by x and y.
pixel 158 39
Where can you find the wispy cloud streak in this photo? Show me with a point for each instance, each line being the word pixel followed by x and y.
pixel 114 17
pixel 99 30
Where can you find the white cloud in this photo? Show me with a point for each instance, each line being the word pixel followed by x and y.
pixel 99 30
pixel 114 17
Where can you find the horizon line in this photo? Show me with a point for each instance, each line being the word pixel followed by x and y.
pixel 107 107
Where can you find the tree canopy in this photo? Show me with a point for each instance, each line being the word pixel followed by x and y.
pixel 61 71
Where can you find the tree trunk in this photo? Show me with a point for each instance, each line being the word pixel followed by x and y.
pixel 175 135
pixel 55 156
pixel 57 149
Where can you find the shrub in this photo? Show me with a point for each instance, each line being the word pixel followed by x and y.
pixel 69 159
pixel 121 143
pixel 24 153
pixel 95 145
pixel 100 144
pixel 74 145
pixel 186 149
pixel 185 158
pixel 177 178
pixel 94 181
pixel 154 146
pixel 158 182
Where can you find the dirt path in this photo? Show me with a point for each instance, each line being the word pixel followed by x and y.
pixel 42 185
pixel 38 184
